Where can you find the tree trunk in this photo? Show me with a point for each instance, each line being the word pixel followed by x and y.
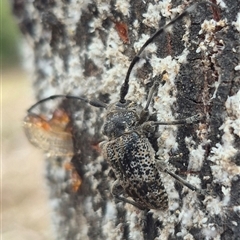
pixel 75 49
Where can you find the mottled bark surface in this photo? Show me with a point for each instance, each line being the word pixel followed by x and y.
pixel 75 49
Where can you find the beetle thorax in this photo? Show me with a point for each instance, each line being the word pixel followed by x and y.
pixel 120 119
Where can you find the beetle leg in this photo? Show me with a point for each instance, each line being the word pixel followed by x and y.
pixel 181 180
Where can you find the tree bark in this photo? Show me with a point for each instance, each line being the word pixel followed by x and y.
pixel 75 49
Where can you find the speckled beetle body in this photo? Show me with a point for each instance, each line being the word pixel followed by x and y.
pixel 132 158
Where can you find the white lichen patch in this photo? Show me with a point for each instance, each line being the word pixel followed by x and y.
pixel 58 63
pixel 208 28
pixel 233 110
pixel 216 86
pixel 223 153
pixel 154 12
pixel 190 215
pixel 167 141
pixel 58 11
pixel 165 99
pixel 214 206
pixel 95 24
pixel 114 77
pixel 183 57
pixel 210 25
pixel 224 169
pixel 152 16
pixel 138 45
pixel 109 55
pixel 136 92
pixel 185 37
pixel 96 53
pixel 196 154
pixel 237 68
pixel 168 222
pixel 108 224
pixel 103 8
pixel 210 232
pixel 134 219
pixel 123 6
pixel 75 13
pixel 237 23
pixel 221 3
pixel 169 64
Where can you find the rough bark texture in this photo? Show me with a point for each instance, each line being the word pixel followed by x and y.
pixel 75 49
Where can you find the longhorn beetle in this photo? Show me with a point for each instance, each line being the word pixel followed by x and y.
pixel 128 150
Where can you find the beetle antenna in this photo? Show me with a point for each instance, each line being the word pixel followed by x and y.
pixel 95 103
pixel 125 85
